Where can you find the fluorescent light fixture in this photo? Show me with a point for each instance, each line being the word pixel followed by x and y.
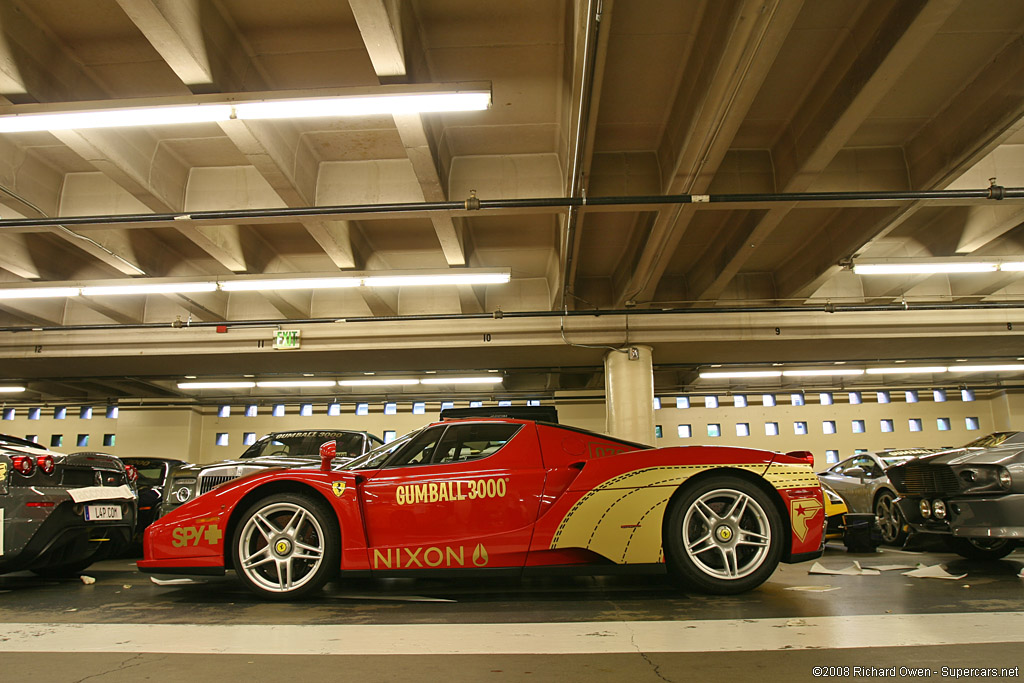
pixel 379 100
pixel 216 385
pixel 161 288
pixel 987 368
pixel 906 370
pixel 38 292
pixel 831 372
pixel 1012 266
pixel 740 374
pixel 461 380
pixel 289 283
pixel 924 268
pixel 376 382
pixel 296 383
pixel 11 390
pixel 440 279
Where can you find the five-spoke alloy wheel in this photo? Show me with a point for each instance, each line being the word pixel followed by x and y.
pixel 723 535
pixel 890 520
pixel 286 545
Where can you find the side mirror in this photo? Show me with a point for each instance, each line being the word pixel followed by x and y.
pixel 328 449
pixel 855 472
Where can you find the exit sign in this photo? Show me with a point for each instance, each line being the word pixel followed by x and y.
pixel 286 339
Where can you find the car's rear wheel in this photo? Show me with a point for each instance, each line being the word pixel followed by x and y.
pixel 890 520
pixel 723 535
pixel 982 548
pixel 286 546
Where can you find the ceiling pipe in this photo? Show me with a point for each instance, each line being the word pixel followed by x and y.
pixel 433 317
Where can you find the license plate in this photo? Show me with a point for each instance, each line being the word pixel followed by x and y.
pixel 102 513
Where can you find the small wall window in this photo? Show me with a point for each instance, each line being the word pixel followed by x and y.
pixel 252 410
pixel 800 428
pixel 831 456
pixel 533 402
pixel 82 440
pixel 768 400
pixel 857 426
pixel 56 440
pixel 34 438
pixel 714 429
pixel 825 398
pixel 914 424
pixel 658 433
pixel 828 426
pixel 942 424
pixel 306 410
pixel 742 429
pixel 421 408
pixel 855 398
pixel 248 438
pixel 886 425
pixel 911 396
pixel 710 401
pixel 33 413
pixel 362 409
pixel 9 413
pixel 882 396
pixel 739 400
pixel 476 404
pixel 771 428
pixel 85 413
pixel 222 438
pixel 389 435
pixel 392 408
pixel 60 413
pixel 445 405
pixel 334 409
pixel 939 395
pixel 500 404
pixel 224 411
pixel 967 394
pixel 796 399
pixel 684 431
pixel 112 412
pixel 278 410
pixel 108 440
pixel 682 402
pixel 657 403
pixel 860 450
pixel 972 424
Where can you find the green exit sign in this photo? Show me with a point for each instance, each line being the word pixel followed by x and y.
pixel 286 339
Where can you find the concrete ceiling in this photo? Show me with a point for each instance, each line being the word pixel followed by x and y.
pixel 658 97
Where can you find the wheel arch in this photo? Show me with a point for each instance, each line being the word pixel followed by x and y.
pixel 750 477
pixel 268 489
pixel 878 494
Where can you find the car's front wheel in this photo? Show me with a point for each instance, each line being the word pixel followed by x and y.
pixel 890 520
pixel 723 535
pixel 286 546
pixel 982 548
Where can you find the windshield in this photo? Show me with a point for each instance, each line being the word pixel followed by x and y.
pixel 895 459
pixel 991 440
pixel 375 458
pixel 304 444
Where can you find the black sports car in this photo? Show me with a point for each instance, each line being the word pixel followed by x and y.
pixel 973 494
pixel 152 480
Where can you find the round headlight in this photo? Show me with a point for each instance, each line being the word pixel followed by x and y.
pixel 1005 480
pixel 926 509
pixel 939 509
pixel 183 494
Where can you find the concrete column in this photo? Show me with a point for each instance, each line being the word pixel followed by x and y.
pixel 629 394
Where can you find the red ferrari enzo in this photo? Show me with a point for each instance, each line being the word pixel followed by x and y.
pixel 503 495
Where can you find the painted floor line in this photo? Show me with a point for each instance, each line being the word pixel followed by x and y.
pixel 604 637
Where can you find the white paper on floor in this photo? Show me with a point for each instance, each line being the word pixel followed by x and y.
pixel 935 571
pixel 173 582
pixel 853 570
pixel 888 567
pixel 813 589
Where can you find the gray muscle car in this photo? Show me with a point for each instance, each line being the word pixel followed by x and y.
pixel 60 513
pixel 278 449
pixel 974 495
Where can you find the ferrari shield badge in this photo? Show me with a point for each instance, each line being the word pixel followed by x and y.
pixel 338 487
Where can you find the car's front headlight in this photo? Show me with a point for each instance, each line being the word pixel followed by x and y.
pixel 182 489
pixel 982 478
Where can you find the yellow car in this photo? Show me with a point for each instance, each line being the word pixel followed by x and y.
pixel 835 510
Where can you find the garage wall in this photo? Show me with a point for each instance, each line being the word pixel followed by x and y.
pixel 192 433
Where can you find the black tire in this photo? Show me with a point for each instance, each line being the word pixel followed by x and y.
pixel 730 550
pixel 63 571
pixel 982 548
pixel 890 520
pixel 290 550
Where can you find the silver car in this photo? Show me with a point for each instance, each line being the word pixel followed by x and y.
pixel 862 483
pixel 60 513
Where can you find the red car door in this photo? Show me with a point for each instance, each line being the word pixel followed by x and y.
pixel 456 496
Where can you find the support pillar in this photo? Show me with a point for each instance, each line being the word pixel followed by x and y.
pixel 629 394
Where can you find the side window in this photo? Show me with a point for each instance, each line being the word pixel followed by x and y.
pixel 420 450
pixel 466 442
pixel 866 464
pixel 842 467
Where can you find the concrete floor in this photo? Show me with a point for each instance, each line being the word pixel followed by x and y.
pixel 126 628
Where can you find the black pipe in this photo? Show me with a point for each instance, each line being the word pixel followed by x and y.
pixel 994 192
